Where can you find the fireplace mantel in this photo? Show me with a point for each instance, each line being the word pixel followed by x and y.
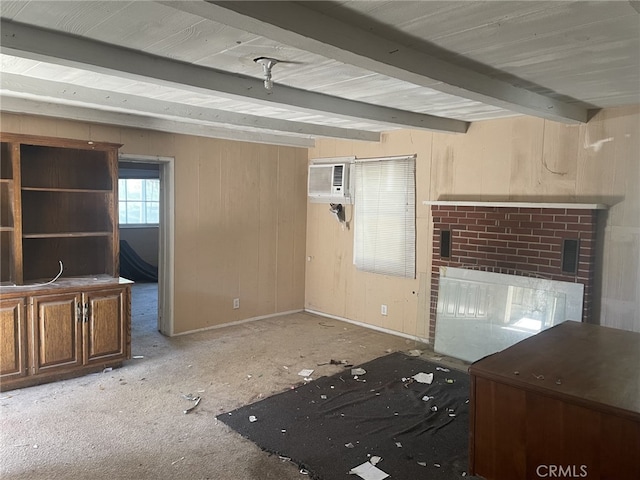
pixel 468 203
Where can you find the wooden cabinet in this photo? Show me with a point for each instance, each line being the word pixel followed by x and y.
pixel 64 308
pixel 57 332
pixel 64 332
pixel 13 338
pixel 105 331
pixel 563 403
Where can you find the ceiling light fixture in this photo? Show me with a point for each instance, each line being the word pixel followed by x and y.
pixel 267 64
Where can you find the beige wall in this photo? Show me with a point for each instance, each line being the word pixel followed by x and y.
pixel 241 212
pixel 523 158
pixel 240 216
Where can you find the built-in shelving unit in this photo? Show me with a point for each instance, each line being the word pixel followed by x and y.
pixel 58 205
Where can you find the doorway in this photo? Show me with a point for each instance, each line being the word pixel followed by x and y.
pixel 162 169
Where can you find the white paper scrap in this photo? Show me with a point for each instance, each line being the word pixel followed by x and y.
pixel 423 377
pixel 415 353
pixel 367 471
pixel 358 371
pixel 305 372
pixel 252 418
pixel 375 460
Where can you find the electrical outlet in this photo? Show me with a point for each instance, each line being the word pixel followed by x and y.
pixel 383 309
pixel 236 303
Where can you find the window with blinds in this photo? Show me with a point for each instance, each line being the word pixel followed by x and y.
pixel 385 216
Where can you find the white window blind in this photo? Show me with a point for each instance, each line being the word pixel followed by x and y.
pixel 385 216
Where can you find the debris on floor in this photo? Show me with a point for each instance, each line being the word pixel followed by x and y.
pixel 334 362
pixel 192 398
pixel 358 371
pixel 306 372
pixel 253 418
pixel 423 378
pixel 415 353
pixel 368 471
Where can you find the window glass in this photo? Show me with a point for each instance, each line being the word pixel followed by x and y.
pixel 139 201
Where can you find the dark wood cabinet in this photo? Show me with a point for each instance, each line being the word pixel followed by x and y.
pixel 73 327
pixel 564 403
pixel 13 338
pixel 58 213
pixel 105 332
pixel 57 340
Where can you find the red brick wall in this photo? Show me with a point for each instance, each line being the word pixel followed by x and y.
pixel 514 241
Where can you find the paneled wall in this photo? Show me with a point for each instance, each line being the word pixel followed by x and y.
pixel 240 216
pixel 522 158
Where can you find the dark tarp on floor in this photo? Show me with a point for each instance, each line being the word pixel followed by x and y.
pixel 135 268
pixel 333 424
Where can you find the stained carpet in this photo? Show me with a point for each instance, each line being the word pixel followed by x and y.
pixel 332 424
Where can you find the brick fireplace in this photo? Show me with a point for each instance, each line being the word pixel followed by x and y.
pixel 541 240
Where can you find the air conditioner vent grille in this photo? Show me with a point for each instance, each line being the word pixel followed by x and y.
pixel 337 175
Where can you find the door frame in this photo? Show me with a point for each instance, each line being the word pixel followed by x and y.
pixel 166 237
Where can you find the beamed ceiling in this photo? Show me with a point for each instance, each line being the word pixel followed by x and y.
pixel 348 69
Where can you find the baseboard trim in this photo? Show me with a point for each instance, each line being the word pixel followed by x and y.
pixel 372 327
pixel 237 322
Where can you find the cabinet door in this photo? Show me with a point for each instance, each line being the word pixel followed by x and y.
pixel 13 339
pixel 106 328
pixel 57 342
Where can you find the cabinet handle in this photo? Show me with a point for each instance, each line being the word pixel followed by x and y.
pixel 80 312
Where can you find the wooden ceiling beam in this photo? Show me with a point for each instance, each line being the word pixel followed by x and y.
pixel 294 24
pixel 39 44
pixel 46 90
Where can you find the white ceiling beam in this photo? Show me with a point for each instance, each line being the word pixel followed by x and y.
pixel 73 112
pixel 63 49
pixel 292 23
pixel 125 103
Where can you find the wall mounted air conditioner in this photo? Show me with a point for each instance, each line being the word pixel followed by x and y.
pixel 329 182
